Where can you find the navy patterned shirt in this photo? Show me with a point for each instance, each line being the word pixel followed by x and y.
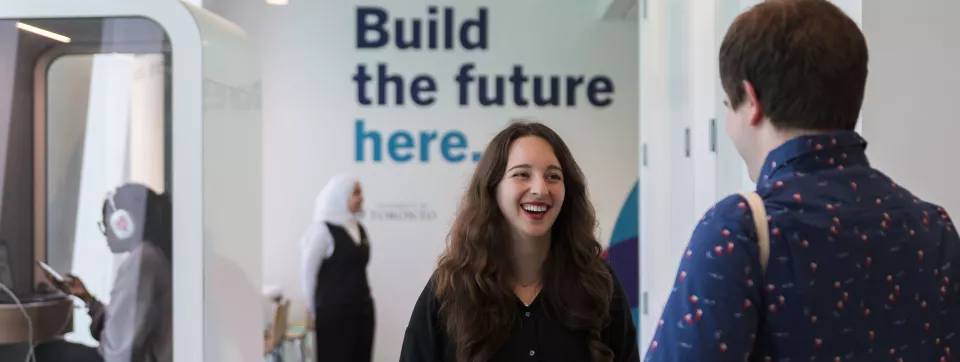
pixel 860 269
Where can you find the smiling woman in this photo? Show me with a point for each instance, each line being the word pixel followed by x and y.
pixel 522 249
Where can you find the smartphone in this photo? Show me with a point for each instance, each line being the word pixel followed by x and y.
pixel 51 273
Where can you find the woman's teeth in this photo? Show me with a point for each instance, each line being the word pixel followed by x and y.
pixel 534 208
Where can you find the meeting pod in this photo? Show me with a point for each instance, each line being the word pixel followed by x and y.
pixel 95 94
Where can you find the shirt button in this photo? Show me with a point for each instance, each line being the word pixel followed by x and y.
pixel 528 314
pixel 532 353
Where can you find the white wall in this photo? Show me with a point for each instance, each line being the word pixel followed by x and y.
pixel 678 95
pixel 853 9
pixel 309 109
pixel 656 187
pixel 909 112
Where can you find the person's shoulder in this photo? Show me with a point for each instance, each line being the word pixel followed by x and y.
pixel 318 232
pixel 730 220
pixel 431 283
pixel 733 209
pixel 426 310
pixel 926 207
pixel 932 207
pixel 424 336
pixel 938 213
pixel 152 258
pixel 149 250
pixel 428 296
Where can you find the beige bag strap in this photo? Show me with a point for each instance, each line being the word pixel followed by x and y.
pixel 760 221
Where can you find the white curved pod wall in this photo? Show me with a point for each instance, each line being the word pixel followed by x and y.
pixel 214 171
pixel 231 192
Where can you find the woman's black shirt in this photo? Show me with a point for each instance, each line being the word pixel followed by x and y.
pixel 536 336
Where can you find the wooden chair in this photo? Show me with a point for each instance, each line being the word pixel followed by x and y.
pixel 275 336
pixel 300 334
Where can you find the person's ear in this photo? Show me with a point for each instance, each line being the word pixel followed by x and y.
pixel 751 104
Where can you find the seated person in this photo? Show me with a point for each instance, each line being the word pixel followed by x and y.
pixel 137 324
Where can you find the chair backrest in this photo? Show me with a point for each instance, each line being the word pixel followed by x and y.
pixel 280 316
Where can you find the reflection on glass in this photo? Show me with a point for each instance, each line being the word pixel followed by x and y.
pixel 84 109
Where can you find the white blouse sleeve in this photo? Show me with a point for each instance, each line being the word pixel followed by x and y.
pixel 121 319
pixel 315 246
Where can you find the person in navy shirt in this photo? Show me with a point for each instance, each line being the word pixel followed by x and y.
pixel 860 268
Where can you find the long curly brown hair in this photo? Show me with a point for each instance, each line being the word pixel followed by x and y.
pixel 477 302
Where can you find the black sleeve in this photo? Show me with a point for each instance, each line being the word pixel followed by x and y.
pixel 422 342
pixel 621 334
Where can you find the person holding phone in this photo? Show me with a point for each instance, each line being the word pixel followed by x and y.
pixel 137 323
pixel 54 279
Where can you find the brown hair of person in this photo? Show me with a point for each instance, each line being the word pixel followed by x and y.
pixel 806 60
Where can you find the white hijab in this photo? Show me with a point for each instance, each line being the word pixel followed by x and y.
pixel 331 204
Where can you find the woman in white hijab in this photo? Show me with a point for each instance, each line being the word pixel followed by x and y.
pixel 335 253
pixel 137 323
